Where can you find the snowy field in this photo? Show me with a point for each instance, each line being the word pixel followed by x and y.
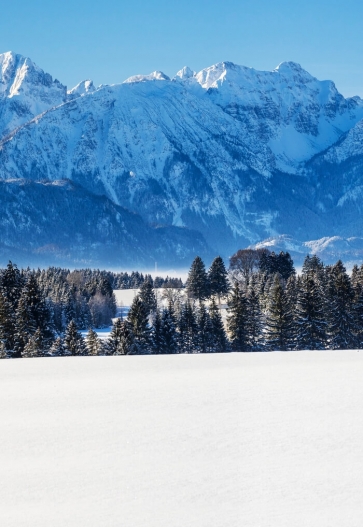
pixel 235 440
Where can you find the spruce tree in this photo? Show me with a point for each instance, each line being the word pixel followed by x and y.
pixel 237 319
pixel 310 315
pixel 156 334
pixel 254 320
pixel 34 346
pixel 93 343
pixel 147 296
pixel 205 331
pixel 218 279
pixel 279 319
pixel 188 329
pixel 73 340
pixel 169 335
pixel 197 282
pixel 7 324
pixel 341 320
pixel 58 349
pixel 220 340
pixel 138 318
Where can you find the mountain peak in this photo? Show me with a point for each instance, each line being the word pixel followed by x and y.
pixel 154 76
pixel 82 88
pixel 185 73
pixel 289 68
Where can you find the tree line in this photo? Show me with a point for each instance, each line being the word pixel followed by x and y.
pixel 269 307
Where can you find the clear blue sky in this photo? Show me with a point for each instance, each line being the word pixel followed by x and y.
pixel 109 40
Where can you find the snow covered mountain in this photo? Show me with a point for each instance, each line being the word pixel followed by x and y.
pixel 236 153
pixel 61 223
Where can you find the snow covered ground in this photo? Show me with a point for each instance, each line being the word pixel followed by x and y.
pixel 252 440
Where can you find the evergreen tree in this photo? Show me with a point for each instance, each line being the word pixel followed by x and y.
pixel 254 322
pixel 237 319
pixel 7 324
pixel 197 283
pixel 218 279
pixel 205 331
pixel 279 319
pixel 147 296
pixel 156 335
pixel 188 329
pixel 58 349
pixel 93 343
pixel 122 339
pixel 169 336
pixel 34 345
pixel 340 315
pixel 12 283
pixel 138 318
pixel 310 317
pixel 220 340
pixel 73 340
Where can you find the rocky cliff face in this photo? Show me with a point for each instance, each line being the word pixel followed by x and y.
pixel 235 153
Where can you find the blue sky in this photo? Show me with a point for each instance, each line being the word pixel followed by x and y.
pixel 108 40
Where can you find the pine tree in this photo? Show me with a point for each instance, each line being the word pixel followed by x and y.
pixel 58 348
pixel 7 324
pixel 218 279
pixel 254 321
pixel 169 335
pixel 11 284
pixel 156 334
pixel 147 296
pixel 340 314
pixel 237 319
pixel 279 319
pixel 197 283
pixel 310 316
pixel 139 320
pixel 188 329
pixel 34 345
pixel 93 343
pixel 205 331
pixel 220 340
pixel 122 339
pixel 73 340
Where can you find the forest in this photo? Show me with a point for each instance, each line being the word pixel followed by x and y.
pixel 259 303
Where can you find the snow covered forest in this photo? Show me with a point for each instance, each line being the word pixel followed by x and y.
pixel 268 307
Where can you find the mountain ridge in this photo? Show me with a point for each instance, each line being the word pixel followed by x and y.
pixel 238 154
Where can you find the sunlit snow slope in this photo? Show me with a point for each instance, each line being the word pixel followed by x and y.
pixel 252 440
pixel 236 153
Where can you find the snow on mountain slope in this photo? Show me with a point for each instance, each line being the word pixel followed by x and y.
pixel 223 151
pixel 81 89
pixel 25 91
pixel 48 223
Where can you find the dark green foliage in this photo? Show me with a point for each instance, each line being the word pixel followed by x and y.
pixel 147 296
pixel 218 279
pixel 340 312
pixel 188 329
pixel 237 319
pixel 34 346
pixel 197 283
pixel 138 317
pixel 170 337
pixel 254 319
pixel 58 348
pixel 206 342
pixel 73 340
pixel 93 343
pixel 281 263
pixel 279 319
pixel 220 340
pixel 311 326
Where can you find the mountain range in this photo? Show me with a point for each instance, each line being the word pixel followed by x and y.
pixel 215 161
